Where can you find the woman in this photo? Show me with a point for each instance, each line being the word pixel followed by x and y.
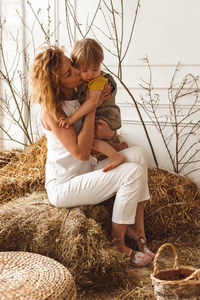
pixel 73 177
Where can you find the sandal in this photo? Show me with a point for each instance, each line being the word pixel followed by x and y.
pixel 140 243
pixel 142 246
pixel 139 259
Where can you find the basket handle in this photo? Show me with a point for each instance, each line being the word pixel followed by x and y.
pixel 155 269
pixel 192 275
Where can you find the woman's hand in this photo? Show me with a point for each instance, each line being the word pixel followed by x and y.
pixel 105 94
pixel 103 130
pixel 96 97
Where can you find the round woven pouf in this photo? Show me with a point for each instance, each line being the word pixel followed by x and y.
pixel 30 276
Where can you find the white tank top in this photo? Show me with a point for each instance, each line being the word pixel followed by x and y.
pixel 61 165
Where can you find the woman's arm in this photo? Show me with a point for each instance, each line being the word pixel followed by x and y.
pixel 78 145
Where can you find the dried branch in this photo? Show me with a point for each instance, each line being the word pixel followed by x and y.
pixel 115 35
pixel 15 100
pixel 181 144
pixel 132 30
pixel 36 15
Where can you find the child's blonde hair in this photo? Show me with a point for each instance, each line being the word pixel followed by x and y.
pixel 44 78
pixel 87 51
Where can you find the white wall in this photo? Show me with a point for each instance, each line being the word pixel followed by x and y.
pixel 22 31
pixel 165 31
pixel 13 24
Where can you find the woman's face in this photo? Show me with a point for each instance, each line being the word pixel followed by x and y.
pixel 69 76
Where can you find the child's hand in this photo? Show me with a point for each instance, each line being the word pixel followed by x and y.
pixel 64 122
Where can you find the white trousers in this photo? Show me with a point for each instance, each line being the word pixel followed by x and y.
pixel 129 182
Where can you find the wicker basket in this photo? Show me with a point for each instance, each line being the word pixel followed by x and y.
pixel 179 282
pixel 30 276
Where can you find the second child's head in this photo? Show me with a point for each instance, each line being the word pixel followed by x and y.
pixel 87 56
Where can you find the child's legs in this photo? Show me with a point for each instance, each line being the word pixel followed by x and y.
pixel 103 147
pixel 115 158
pixel 119 147
pixel 132 154
pixel 126 181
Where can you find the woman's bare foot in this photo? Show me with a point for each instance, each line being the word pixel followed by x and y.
pixel 118 235
pixel 115 160
pixel 119 147
pixel 122 247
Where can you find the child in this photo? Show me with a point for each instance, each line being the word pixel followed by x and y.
pixel 87 56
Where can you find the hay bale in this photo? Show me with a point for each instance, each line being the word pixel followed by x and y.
pixel 8 155
pixel 66 235
pixel 24 172
pixel 174 205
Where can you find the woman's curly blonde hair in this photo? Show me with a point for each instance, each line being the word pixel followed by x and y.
pixel 44 78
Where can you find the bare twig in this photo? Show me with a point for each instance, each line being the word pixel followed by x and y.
pixel 15 100
pixel 179 120
pixel 115 35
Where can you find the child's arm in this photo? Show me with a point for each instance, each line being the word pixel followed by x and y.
pixel 94 99
pixel 60 116
pixel 115 157
pixel 91 102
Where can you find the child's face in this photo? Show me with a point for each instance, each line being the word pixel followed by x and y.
pixel 90 72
